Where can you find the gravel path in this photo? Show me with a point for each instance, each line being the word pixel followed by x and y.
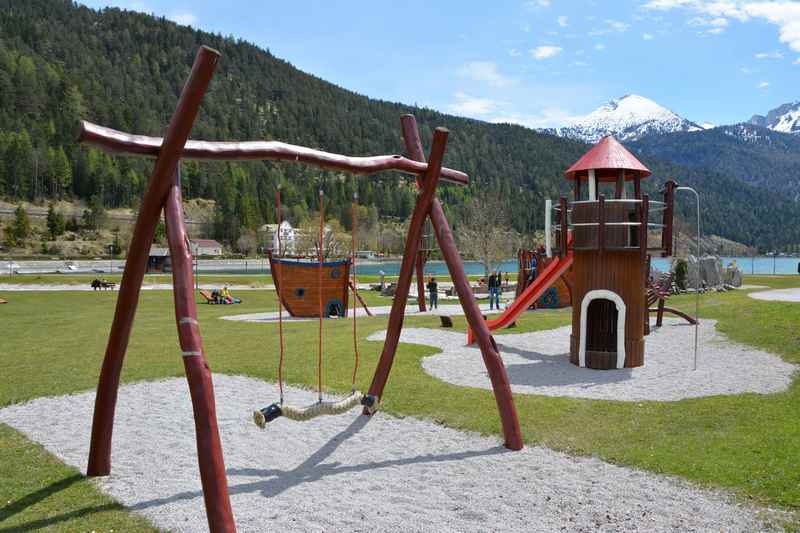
pixel 449 310
pixel 777 295
pixel 538 363
pixel 25 287
pixel 353 473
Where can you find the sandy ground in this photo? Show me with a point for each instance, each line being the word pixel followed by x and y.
pixel 354 473
pixel 777 295
pixel 411 310
pixel 538 363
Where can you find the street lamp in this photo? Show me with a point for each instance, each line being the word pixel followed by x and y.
pixel 697 278
pixel 111 257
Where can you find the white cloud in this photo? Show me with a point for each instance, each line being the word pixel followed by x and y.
pixel 470 105
pixel 579 64
pixel 514 52
pixel 718 22
pixel 648 36
pixel 784 14
pixel 763 85
pixel 544 52
pixel 549 117
pixel 796 61
pixel 535 4
pixel 600 47
pixel 562 21
pixel 485 71
pixel 769 55
pixel 715 31
pixel 616 25
pixel 185 18
pixel 748 71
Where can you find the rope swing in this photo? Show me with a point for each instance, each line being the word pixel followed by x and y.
pixel 280 409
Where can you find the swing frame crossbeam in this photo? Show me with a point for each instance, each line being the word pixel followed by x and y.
pixel 164 194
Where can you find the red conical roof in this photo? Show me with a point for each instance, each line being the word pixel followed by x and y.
pixel 607 158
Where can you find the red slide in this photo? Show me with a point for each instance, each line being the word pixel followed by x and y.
pixel 543 281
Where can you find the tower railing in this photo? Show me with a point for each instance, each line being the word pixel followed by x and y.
pixel 616 224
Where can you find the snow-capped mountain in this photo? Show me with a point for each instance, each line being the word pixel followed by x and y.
pixel 785 118
pixel 628 118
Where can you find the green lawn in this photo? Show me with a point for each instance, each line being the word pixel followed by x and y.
pixel 748 443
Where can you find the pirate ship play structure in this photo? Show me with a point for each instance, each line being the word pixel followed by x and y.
pixel 164 193
pixel 300 285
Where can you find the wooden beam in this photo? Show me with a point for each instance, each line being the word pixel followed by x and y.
pixel 195 363
pixel 138 252
pixel 119 142
pixel 491 357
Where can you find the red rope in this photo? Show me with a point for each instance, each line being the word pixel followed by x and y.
pixel 280 294
pixel 319 288
pixel 354 287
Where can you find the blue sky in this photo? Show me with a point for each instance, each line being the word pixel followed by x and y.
pixel 535 62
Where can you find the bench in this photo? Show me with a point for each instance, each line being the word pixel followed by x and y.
pixel 104 284
pixel 447 322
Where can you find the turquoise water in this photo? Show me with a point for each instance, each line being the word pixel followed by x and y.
pixel 749 265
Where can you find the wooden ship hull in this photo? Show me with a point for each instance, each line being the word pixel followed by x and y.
pixel 297 284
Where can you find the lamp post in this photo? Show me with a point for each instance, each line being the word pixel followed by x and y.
pixel 110 257
pixel 697 278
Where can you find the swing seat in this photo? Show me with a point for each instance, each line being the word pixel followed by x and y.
pixel 300 414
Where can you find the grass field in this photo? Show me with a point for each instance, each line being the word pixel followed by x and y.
pixel 53 344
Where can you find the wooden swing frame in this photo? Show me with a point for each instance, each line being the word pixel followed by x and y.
pixel 164 193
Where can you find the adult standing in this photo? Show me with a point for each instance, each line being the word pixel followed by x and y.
pixel 433 292
pixel 495 282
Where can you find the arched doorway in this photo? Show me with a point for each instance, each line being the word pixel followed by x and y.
pixel 602 330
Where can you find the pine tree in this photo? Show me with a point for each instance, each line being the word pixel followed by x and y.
pixel 21 229
pixel 55 222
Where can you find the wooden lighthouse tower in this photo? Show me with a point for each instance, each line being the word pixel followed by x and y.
pixel 612 239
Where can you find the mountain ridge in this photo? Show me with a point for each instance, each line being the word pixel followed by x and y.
pixel 629 117
pixel 60 62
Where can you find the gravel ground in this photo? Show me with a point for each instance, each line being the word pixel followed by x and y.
pixel 353 473
pixel 777 295
pixel 538 363
pixel 25 287
pixel 449 310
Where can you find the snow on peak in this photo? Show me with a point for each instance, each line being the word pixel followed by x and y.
pixel 627 118
pixel 785 119
pixel 707 125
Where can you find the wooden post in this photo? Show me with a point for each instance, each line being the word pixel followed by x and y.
pixel 138 252
pixel 619 189
pixel 643 220
pixel 562 241
pixel 666 221
pixel 637 186
pixel 198 374
pixel 491 357
pixel 397 314
pixel 577 189
pixel 601 223
pixel 420 268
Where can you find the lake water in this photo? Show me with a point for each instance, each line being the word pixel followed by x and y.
pixel 749 265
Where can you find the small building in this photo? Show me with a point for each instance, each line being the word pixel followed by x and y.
pixel 159 260
pixel 288 236
pixel 205 247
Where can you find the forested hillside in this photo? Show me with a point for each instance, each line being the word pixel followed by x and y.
pixel 757 155
pixel 60 62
